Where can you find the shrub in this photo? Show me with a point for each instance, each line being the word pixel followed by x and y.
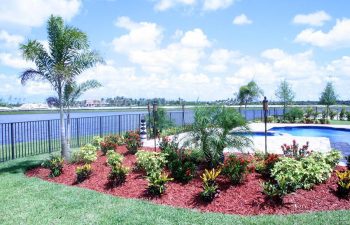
pixel 151 161
pixel 332 114
pixel 293 150
pixel 210 187
pixel 333 157
pixel 55 164
pixel 178 160
pixel 275 190
pixel 308 112
pixel 96 140
pixel 343 183
pixel 348 161
pixel 348 116
pixel 294 114
pixel 265 165
pixel 115 139
pixel 235 168
pixel 342 114
pixel 157 182
pixel 117 175
pixel 86 154
pixel 106 146
pixel 83 172
pixel 132 141
pixel 114 158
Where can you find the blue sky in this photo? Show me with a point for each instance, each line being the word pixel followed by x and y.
pixel 193 49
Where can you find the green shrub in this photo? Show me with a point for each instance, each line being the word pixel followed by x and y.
pixel 294 114
pixel 111 142
pixel 275 191
pixel 117 175
pixel 132 141
pixel 55 164
pixel 333 157
pixel 342 114
pixel 114 158
pixel 83 172
pixel 348 116
pixel 235 168
pixel 210 187
pixel 96 140
pixel 157 182
pixel 86 154
pixel 332 114
pixel 151 162
pixel 309 112
pixel 265 164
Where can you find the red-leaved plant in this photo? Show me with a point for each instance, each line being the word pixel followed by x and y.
pixel 295 151
pixel 132 141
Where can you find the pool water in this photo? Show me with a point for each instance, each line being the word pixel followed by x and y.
pixel 339 137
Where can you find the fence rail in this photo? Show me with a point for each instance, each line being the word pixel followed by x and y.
pixel 21 139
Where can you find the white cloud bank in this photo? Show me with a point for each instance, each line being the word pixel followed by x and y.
pixel 206 5
pixel 242 20
pixel 314 19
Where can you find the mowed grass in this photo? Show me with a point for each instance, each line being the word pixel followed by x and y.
pixel 340 122
pixel 34 201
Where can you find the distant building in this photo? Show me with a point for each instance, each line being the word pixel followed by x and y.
pixel 30 106
pixel 92 103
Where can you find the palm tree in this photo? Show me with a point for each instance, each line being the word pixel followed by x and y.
pixel 68 56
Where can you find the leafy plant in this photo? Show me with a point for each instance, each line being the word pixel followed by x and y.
pixel 235 168
pixel 348 116
pixel 151 162
pixel 275 190
pixel 348 161
pixel 114 158
pixel 157 182
pixel 86 154
pixel 265 165
pixel 118 174
pixel 293 150
pixel 83 172
pixel 210 187
pixel 343 183
pixel 159 120
pixel 332 114
pixel 96 140
pixel 342 114
pixel 294 114
pixel 212 132
pixel 107 145
pixel 132 141
pixel 55 164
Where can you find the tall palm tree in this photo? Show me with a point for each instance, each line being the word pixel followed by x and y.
pixel 68 56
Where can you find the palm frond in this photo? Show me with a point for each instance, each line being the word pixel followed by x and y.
pixel 30 74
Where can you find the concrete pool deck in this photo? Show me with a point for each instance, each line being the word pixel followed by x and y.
pixel 320 144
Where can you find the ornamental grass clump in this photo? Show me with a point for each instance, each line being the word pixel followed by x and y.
pixel 55 164
pixel 210 186
pixel 83 172
pixel 132 141
pixel 343 183
pixel 235 168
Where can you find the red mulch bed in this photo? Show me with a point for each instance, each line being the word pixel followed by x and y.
pixel 245 199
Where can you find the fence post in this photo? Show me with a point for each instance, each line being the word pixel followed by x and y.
pixel 78 133
pixel 49 135
pixel 119 121
pixel 101 127
pixel 12 141
pixel 261 115
pixel 253 114
pixel 139 121
pixel 170 116
pixel 183 115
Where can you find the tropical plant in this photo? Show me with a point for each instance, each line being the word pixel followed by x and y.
pixel 111 142
pixel 249 93
pixel 132 141
pixel 235 168
pixel 158 120
pixel 151 162
pixel 332 114
pixel 55 164
pixel 114 158
pixel 213 132
pixel 294 114
pixel 86 154
pixel 275 190
pixel 68 56
pixel 264 165
pixel 83 172
pixel 210 187
pixel 328 96
pixel 96 140
pixel 343 183
pixel 157 182
pixel 295 151
pixel 117 175
pixel 342 114
pixel 285 94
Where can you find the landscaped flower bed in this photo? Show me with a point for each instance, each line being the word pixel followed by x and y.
pixel 244 199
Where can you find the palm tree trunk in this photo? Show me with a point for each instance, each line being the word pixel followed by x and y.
pixel 68 128
pixel 64 147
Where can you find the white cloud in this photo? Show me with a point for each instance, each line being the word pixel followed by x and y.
pixel 195 39
pixel 242 20
pixel 10 40
pixel 34 13
pixel 338 36
pixel 14 61
pixel 163 5
pixel 141 36
pixel 220 59
pixel 211 5
pixel 313 19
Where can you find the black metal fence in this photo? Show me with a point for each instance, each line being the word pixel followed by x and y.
pixel 21 139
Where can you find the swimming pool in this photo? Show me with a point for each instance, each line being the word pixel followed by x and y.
pixel 339 137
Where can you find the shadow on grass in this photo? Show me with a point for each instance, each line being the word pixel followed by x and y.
pixel 19 166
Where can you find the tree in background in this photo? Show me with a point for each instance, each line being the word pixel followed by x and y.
pixel 249 93
pixel 328 96
pixel 67 57
pixel 285 94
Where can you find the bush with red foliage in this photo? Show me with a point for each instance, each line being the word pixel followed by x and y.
pixel 235 168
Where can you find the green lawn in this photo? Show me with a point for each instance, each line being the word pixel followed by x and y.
pixel 34 201
pixel 340 122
